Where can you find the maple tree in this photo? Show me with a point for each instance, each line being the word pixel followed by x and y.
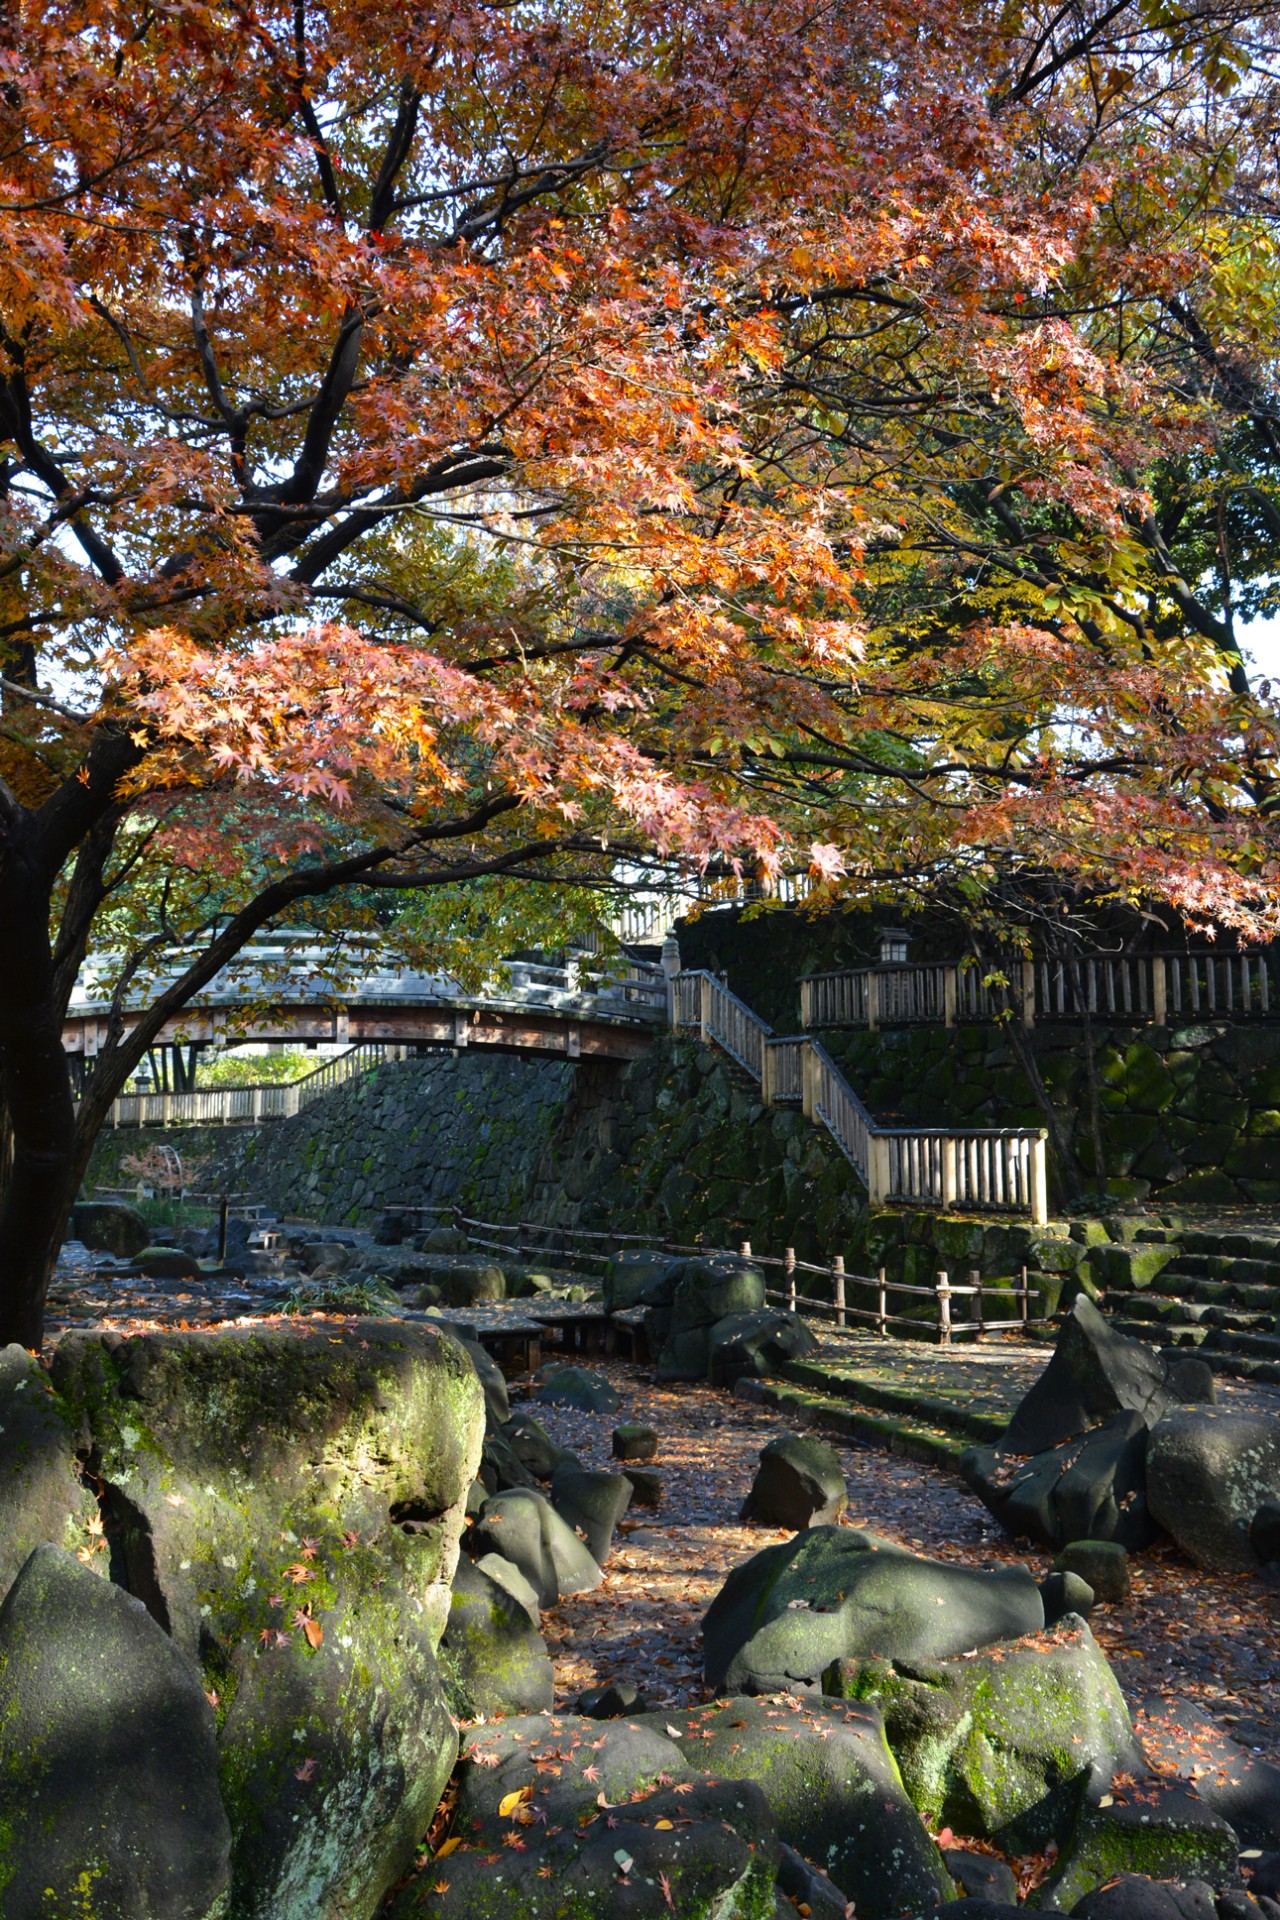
pixel 469 441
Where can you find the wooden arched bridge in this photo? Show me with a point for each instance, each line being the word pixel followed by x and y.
pixel 280 992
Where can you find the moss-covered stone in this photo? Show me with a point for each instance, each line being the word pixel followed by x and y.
pixel 288 1503
pixel 1004 1744
pixel 1162 1832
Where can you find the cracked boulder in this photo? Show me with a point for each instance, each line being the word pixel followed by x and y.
pixel 1094 1374
pixel 798 1483
pixel 493 1657
pixel 1091 1487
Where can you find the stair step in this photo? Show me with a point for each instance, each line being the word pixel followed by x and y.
pixel 1224 1266
pixel 904 1402
pixel 908 1439
pixel 1248 1246
pixel 1243 1366
pixel 1159 1307
pixel 1173 1334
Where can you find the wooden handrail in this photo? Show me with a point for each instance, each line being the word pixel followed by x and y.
pixel 1146 989
pixel 985 1169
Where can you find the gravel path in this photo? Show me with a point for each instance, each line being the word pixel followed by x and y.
pixel 1211 1637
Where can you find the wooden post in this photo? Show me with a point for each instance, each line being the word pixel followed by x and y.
pixel 837 1287
pixel 950 1185
pixel 224 1208
pixel 877 1169
pixel 1159 992
pixel 789 1272
pixel 1039 1181
pixel 767 1073
pixel 1028 993
pixel 949 996
pixel 806 1002
pixel 975 1281
pixel 944 1310
pixel 809 1081
pixel 873 1000
pixel 744 1251
pixel 882 1305
pixel 704 1007
pixel 1022 1290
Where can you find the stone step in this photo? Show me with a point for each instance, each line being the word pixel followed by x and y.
pixel 1244 1366
pixel 1224 1293
pixel 1174 1334
pixel 905 1403
pixel 1160 1311
pixel 1248 1246
pixel 1231 1267
pixel 908 1439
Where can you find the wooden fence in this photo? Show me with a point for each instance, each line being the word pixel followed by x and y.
pixel 226 1106
pixel 1148 988
pixel 983 1169
pixel 856 1303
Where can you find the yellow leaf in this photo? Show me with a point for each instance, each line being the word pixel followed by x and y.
pixel 510 1801
pixel 662 1826
pixel 449 1846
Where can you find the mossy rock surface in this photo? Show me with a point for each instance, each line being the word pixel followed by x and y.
pixel 1160 1831
pixel 109 1802
pixel 288 1502
pixel 707 1853
pixel 1004 1744
pixel 834 1788
pixel 42 1497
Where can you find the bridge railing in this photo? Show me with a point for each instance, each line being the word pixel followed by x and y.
pixel 1145 988
pixel 986 1169
pixel 248 1106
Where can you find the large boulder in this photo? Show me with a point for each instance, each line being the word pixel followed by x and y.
pixel 561 1765
pixel 526 1529
pixel 1208 1472
pixel 697 1293
pixel 1093 1486
pixel 463 1279
pixel 106 1226
pixel 1004 1743
pixel 580 1388
pixel 1095 1373
pixel 629 1274
pixel 288 1504
pixel 167 1263
pixel 755 1345
pixel 834 1789
pixel 1157 1829
pixel 42 1497
pixel 492 1380
pixel 493 1657
pixel 534 1447
pixel 109 1799
pixel 710 1850
pixel 784 1616
pixel 798 1483
pixel 592 1504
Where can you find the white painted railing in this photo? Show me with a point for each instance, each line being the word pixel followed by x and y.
pixel 1149 989
pixel 248 1106
pixel 984 1169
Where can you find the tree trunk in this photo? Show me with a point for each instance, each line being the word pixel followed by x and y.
pixel 39 1165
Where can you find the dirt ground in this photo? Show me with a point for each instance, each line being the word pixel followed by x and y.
pixel 1213 1638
